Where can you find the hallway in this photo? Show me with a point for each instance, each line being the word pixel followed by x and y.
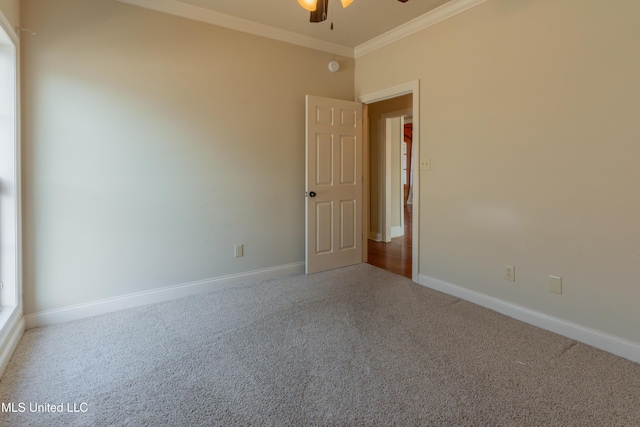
pixel 394 256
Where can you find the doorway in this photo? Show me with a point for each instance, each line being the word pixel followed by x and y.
pixel 392 244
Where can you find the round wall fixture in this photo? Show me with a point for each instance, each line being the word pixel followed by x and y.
pixel 334 66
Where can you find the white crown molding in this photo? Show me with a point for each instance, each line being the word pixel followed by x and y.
pixel 209 16
pixel 439 14
pixel 602 340
pixel 175 7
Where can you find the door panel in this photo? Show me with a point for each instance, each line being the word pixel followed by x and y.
pixel 324 225
pixel 333 184
pixel 348 160
pixel 348 231
pixel 324 156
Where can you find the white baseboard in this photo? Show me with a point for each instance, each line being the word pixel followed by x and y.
pixel 10 336
pixel 397 231
pixel 94 308
pixel 375 236
pixel 602 340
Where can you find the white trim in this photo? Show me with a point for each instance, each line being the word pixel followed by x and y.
pixel 12 324
pixel 433 17
pixel 602 340
pixel 413 88
pixel 375 236
pixel 175 7
pixel 392 92
pixel 108 305
pixel 11 31
pixel 209 16
pixel 397 231
pixel 10 335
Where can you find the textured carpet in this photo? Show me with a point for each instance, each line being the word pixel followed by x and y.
pixel 355 346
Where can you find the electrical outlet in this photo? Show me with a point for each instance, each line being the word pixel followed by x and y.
pixel 238 251
pixel 510 273
pixel 555 284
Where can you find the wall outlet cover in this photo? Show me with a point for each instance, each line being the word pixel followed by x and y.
pixel 238 251
pixel 555 284
pixel 510 273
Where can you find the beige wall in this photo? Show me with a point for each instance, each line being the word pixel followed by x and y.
pixel 152 144
pixel 529 112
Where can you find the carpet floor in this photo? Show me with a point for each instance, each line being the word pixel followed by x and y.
pixel 352 347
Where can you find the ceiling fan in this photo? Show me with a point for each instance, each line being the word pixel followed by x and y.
pixel 318 8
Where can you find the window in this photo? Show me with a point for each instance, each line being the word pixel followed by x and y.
pixel 9 188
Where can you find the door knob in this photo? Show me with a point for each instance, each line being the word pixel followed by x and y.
pixel 312 194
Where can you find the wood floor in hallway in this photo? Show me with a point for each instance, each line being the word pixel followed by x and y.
pixel 394 256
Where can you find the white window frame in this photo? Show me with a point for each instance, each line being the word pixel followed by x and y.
pixel 11 315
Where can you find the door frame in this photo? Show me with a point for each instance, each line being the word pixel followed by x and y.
pixel 385 172
pixel 412 88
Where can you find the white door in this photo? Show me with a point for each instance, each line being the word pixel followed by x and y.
pixel 333 184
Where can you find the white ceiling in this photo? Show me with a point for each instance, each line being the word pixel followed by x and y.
pixel 360 28
pixel 362 21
